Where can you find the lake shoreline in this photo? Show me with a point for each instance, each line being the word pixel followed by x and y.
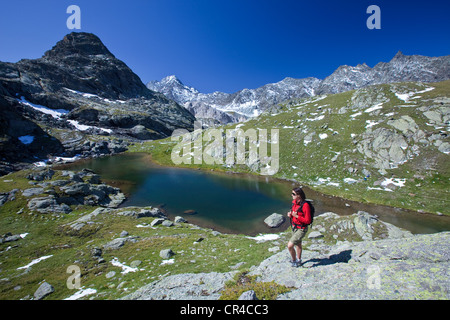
pixel 353 206
pixel 294 183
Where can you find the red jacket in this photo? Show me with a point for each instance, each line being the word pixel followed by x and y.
pixel 304 215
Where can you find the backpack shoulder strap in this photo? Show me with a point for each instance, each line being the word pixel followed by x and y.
pixel 300 208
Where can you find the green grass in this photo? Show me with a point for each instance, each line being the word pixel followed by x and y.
pixel 49 235
pixel 242 282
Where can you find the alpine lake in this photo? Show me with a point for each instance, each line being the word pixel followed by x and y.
pixel 229 202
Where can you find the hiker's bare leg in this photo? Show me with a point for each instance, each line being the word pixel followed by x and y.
pixel 291 250
pixel 299 251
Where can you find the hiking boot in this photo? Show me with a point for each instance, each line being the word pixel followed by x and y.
pixel 295 263
pixel 299 263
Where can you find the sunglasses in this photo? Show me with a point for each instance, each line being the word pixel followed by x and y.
pixel 294 194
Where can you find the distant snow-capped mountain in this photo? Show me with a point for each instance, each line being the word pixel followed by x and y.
pixel 401 68
pixel 252 102
pixel 242 104
pixel 173 89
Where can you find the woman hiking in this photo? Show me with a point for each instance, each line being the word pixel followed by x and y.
pixel 300 216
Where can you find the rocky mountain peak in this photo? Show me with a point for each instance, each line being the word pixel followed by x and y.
pixel 171 79
pixel 80 88
pixel 81 62
pixel 80 43
pixel 398 55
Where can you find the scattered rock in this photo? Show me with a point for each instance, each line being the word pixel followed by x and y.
pixel 274 220
pixel 48 205
pixel 9 237
pixel 119 242
pixel 166 253
pixel 135 263
pixel 237 265
pixel 199 240
pixel 248 295
pixel 385 147
pixel 32 192
pixel 44 290
pixel 3 198
pixel 115 244
pixel 8 196
pixel 142 133
pixel 363 222
pixel 315 235
pixel 179 219
pixel 116 200
pixel 96 252
pixel 77 188
pixel 167 223
pixel 153 212
pixel 156 222
pixel 41 175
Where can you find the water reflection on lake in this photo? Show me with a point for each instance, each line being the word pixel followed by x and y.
pixel 232 203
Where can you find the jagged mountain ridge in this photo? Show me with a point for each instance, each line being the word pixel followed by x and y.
pixel 401 68
pixel 187 96
pixel 246 103
pixel 252 102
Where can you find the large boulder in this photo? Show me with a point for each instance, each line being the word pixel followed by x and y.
pixel 44 290
pixel 363 222
pixel 274 220
pixel 48 205
pixel 166 253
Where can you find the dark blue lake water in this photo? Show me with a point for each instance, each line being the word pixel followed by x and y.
pixel 233 203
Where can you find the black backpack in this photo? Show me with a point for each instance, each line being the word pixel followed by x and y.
pixel 312 209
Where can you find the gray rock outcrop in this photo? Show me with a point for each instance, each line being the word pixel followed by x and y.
pixel 190 286
pixel 410 268
pixel 118 243
pixel 248 295
pixel 166 253
pixel 75 191
pixel 274 220
pixel 48 205
pixel 401 266
pixel 136 212
pixel 44 290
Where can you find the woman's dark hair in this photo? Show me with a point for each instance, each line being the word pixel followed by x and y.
pixel 299 191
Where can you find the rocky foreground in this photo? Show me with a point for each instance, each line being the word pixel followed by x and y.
pixel 54 219
pixel 412 268
pixel 402 266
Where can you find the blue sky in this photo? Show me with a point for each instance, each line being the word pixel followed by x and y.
pixel 230 45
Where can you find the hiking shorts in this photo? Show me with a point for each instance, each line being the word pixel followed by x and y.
pixel 298 235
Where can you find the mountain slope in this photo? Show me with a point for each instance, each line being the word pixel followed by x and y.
pixel 386 144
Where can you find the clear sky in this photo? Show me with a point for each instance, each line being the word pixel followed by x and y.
pixel 234 44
